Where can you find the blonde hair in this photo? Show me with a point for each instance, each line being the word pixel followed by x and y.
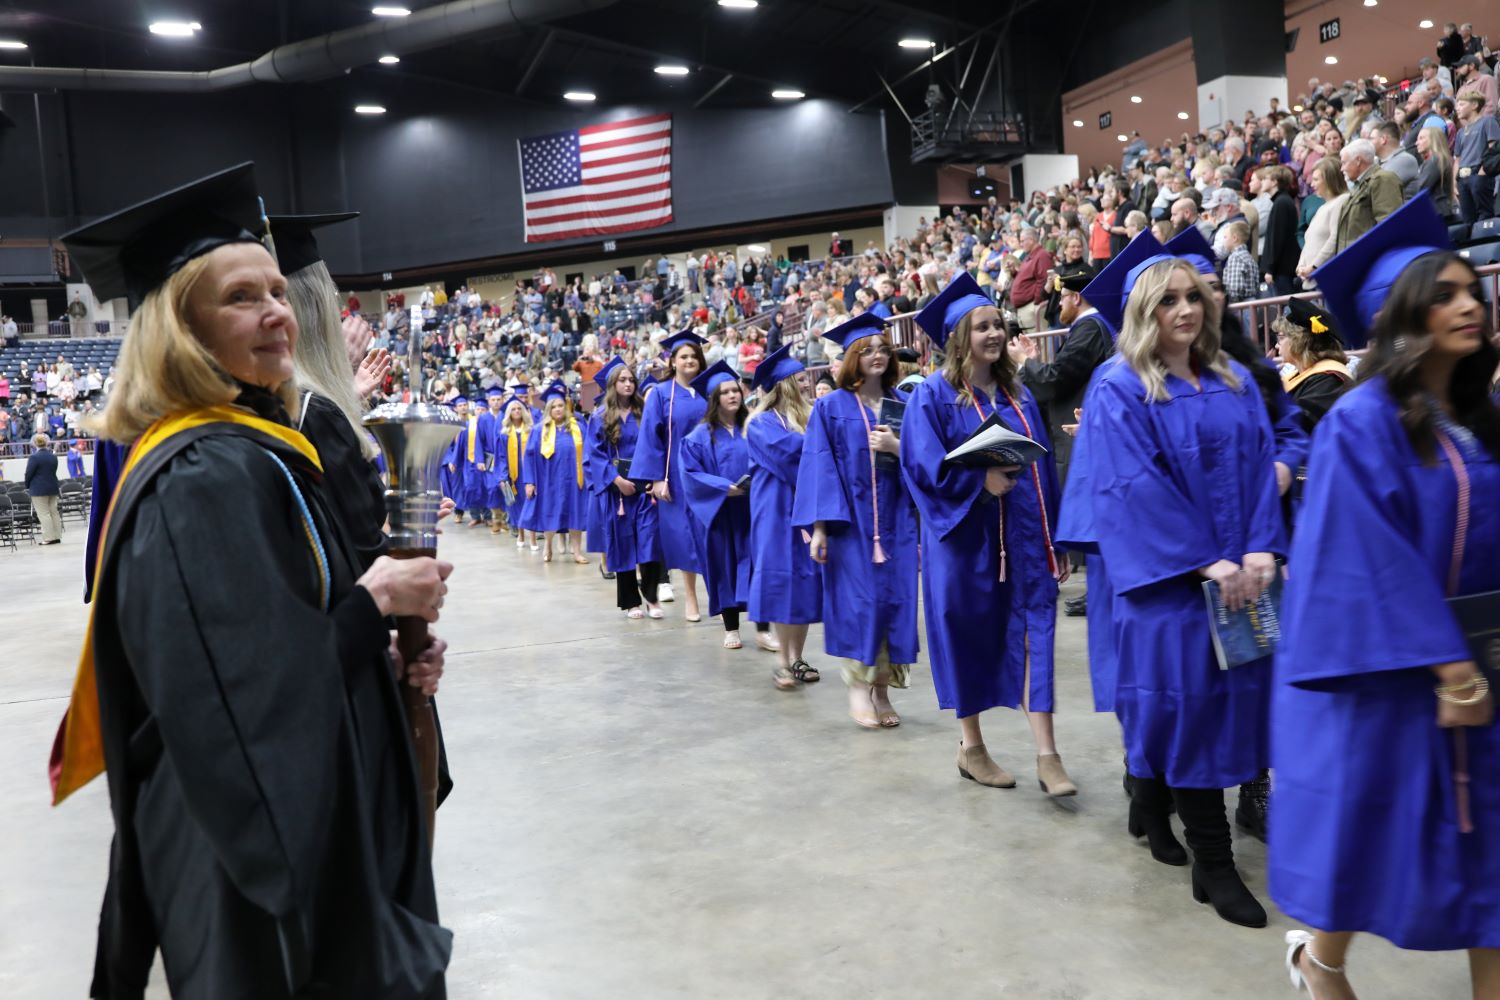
pixel 164 368
pixel 321 357
pixel 787 400
pixel 1139 334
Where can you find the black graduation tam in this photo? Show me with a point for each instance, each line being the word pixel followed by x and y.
pixel 136 250
pixel 1314 318
pixel 1077 282
pixel 292 235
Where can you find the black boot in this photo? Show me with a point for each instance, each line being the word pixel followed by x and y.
pixel 1206 824
pixel 1076 607
pixel 1149 819
pixel 1250 814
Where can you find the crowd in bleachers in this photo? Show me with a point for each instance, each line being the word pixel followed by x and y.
pixel 49 386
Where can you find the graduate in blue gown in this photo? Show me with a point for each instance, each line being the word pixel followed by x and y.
pixel 1180 473
pixel 786 588
pixel 512 436
pixel 671 411
pixel 629 521
pixel 554 475
pixel 863 526
pixel 715 461
pixel 1381 709
pixel 488 429
pixel 75 460
pixel 474 498
pixel 987 549
pixel 455 466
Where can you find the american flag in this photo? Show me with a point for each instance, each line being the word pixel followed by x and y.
pixel 599 179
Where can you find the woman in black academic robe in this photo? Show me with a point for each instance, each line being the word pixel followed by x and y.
pixel 270 837
pixel 1308 340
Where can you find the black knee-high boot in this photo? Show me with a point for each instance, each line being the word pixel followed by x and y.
pixel 1150 809
pixel 1255 797
pixel 1205 821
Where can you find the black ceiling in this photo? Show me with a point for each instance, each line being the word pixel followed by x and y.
pixel 836 49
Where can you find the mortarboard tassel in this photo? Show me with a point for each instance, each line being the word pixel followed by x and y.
pixel 879 556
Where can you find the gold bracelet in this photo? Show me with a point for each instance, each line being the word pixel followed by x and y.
pixel 1480 684
pixel 1466 685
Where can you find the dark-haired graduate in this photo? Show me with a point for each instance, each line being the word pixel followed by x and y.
pixel 1386 813
pixel 987 548
pixel 554 476
pixel 628 514
pixel 671 411
pixel 455 461
pixel 269 832
pixel 863 526
pixel 1180 473
pixel 786 587
pixel 714 461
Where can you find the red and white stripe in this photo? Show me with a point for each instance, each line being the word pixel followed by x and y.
pixel 627 183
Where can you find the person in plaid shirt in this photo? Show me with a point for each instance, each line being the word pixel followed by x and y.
pixel 1241 276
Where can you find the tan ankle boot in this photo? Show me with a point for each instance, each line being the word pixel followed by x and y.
pixel 1053 778
pixel 975 764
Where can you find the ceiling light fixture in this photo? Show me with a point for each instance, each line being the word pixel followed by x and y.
pixel 1077 123
pixel 1424 23
pixel 788 95
pixel 1331 60
pixel 175 29
pixel 10 43
pixel 1183 115
pixel 914 43
pixel 583 96
pixel 1135 99
pixel 1122 137
pixel 756 248
pixel 390 11
pixel 739 4
pixel 1372 3
pixel 389 60
pixel 672 70
pixel 369 109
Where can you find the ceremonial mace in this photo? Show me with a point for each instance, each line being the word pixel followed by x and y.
pixel 413 437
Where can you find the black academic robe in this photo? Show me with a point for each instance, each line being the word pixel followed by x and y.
pixel 1059 385
pixel 351 483
pixel 269 836
pixel 1316 394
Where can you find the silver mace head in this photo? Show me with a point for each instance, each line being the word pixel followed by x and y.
pixel 413 437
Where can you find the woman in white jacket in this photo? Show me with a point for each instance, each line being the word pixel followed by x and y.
pixel 1322 232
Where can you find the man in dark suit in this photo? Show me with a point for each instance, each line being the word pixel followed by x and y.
pixel 1373 193
pixel 41 486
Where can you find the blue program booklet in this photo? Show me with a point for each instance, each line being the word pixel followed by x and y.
pixel 1249 634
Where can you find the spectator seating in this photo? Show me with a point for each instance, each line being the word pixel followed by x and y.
pixel 83 354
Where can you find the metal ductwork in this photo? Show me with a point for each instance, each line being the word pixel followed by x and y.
pixel 321 57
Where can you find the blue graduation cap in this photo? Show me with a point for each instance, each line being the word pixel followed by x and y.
pixel 779 364
pixel 554 391
pixel 1355 283
pixel 494 390
pixel 1193 248
pixel 601 377
pixel 1112 285
pixel 457 400
pixel 676 340
pixel 847 333
pixel 512 398
pixel 961 297
pixel 717 374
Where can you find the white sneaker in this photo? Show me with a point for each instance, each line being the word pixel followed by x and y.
pixel 664 594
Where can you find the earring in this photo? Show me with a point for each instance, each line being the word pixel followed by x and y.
pixel 1399 345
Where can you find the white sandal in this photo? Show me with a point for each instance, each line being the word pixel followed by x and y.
pixel 635 613
pixel 767 641
pixel 655 611
pixel 1301 941
pixel 732 641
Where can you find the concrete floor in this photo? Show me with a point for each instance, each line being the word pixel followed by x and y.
pixel 639 814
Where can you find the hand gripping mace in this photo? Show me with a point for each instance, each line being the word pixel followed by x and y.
pixel 413 437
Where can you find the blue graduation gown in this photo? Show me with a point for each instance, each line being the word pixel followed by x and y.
pixel 1178 485
pixel 454 468
pixel 560 502
pixel 1077 532
pixel 109 466
pixel 1364 827
pixel 787 586
pixel 714 459
pixel 488 429
pixel 864 602
pixel 593 503
pixel 75 464
pixel 1008 661
pixel 670 413
pixel 627 524
pixel 516 477
pixel 470 455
